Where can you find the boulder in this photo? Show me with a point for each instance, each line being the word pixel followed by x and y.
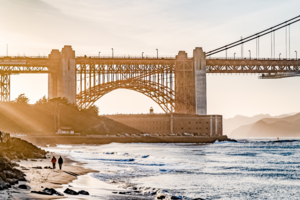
pixel 71 192
pixel 161 197
pixel 3 185
pixel 52 191
pixel 40 192
pixel 83 192
pixel 2 175
pixel 11 181
pixel 9 174
pixel 24 187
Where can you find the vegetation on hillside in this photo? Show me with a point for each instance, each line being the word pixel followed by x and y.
pixel 46 116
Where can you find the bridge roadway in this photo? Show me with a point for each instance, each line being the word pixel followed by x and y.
pixel 19 65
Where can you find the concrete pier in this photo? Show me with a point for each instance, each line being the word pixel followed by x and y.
pixel 199 61
pixel 62 77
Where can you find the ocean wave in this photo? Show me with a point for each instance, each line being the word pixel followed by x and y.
pixel 112 160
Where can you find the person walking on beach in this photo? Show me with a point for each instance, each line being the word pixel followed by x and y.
pixel 53 161
pixel 60 162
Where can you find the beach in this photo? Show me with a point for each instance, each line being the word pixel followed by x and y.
pixel 38 179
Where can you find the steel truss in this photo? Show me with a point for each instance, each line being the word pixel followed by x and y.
pixel 154 78
pixel 12 69
pixel 251 66
pixel 4 87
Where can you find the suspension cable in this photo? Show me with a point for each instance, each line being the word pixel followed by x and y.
pixel 254 36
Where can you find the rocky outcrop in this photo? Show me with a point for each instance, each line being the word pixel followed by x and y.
pixel 15 148
pixel 48 191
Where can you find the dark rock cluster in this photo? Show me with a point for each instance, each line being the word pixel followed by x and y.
pixel 15 148
pixel 72 192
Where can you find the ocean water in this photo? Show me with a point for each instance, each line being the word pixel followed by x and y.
pixel 248 169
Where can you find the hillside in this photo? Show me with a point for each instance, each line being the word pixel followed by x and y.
pixel 270 127
pixel 46 118
pixel 233 123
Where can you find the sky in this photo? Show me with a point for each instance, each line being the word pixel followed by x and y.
pixel 35 27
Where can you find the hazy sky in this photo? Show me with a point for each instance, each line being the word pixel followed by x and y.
pixel 34 27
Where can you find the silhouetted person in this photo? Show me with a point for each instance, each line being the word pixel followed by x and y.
pixel 53 161
pixel 60 162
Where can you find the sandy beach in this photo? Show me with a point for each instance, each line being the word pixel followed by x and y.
pixel 38 179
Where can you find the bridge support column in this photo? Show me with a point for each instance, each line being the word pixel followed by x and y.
pixel 4 87
pixel 62 76
pixel 199 62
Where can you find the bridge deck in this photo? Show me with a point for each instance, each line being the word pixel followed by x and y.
pixel 16 65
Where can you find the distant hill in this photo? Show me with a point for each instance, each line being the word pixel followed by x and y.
pixel 233 123
pixel 282 126
pixel 41 119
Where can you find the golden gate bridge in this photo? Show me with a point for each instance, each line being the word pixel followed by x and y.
pixel 177 84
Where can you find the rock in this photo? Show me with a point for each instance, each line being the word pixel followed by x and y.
pixel 52 191
pixel 40 192
pixel 71 192
pixel 3 185
pixel 16 148
pixel 9 174
pixel 122 192
pixel 11 181
pixel 2 175
pixel 24 187
pixel 83 192
pixel 38 167
pixel 47 167
pixel 161 197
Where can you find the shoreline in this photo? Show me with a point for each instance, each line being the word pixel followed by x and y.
pixel 39 179
pixel 45 141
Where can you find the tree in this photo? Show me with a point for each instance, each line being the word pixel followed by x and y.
pixel 92 109
pixel 22 99
pixel 60 100
pixel 42 100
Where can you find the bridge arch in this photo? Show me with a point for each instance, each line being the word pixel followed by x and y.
pixel 161 94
